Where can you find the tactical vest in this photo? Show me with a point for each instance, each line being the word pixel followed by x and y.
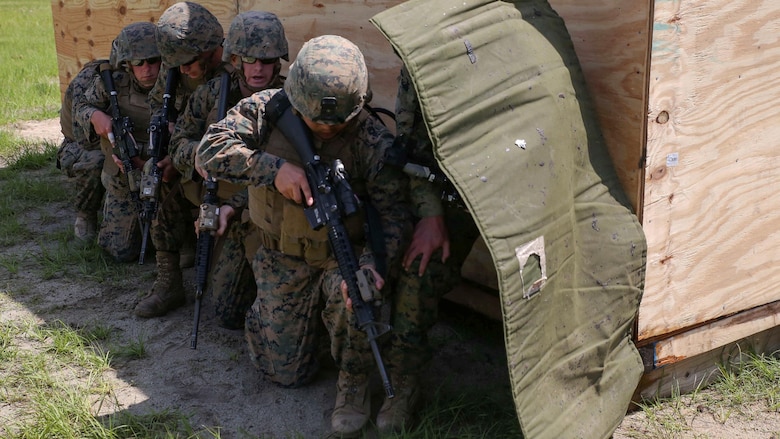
pixel 133 104
pixel 282 222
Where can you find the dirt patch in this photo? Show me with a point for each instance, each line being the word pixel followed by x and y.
pixel 38 130
pixel 216 385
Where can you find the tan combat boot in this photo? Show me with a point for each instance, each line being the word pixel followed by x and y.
pixel 85 227
pixel 396 413
pixel 353 405
pixel 167 292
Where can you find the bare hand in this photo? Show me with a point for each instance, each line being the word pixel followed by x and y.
pixel 102 123
pixel 168 171
pixel 291 182
pixel 118 162
pixel 379 283
pixel 430 234
pixel 226 212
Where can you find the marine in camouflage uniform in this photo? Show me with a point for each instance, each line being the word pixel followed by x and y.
pixel 431 263
pixel 189 38
pixel 254 47
pixel 298 281
pixel 80 158
pixel 134 65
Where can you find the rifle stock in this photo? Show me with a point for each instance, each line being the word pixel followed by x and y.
pixel 208 223
pixel 333 201
pixel 159 137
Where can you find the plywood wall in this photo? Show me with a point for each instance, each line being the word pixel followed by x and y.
pixel 711 209
pixel 610 37
pixel 84 30
pixel 612 40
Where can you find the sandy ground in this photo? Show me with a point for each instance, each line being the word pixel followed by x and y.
pixel 217 386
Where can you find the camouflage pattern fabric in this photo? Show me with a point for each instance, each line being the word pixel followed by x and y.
pixel 258 34
pixel 313 79
pixel 120 231
pixel 79 155
pixel 184 31
pixel 231 281
pixel 281 325
pixel 119 235
pixel 135 41
pixel 232 286
pixel 416 298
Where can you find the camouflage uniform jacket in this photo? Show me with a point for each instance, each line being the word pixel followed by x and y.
pixel 425 196
pixel 85 136
pixel 233 150
pixel 132 103
pixel 200 112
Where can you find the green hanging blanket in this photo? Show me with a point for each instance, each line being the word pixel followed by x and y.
pixel 504 101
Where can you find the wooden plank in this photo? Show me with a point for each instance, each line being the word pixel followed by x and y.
pixel 715 335
pixel 711 210
pixel 612 41
pixel 689 374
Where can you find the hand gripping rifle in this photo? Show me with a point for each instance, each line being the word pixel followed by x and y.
pixel 333 201
pixel 159 137
pixel 121 135
pixel 208 223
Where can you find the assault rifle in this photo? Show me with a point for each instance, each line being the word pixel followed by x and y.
pixel 333 201
pixel 121 137
pixel 159 137
pixel 208 222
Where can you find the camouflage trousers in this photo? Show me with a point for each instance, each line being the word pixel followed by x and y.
pixel 174 223
pixel 416 298
pixel 83 166
pixel 231 281
pixel 282 326
pixel 120 231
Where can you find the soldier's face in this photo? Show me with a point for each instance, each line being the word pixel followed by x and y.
pixel 259 73
pixel 146 73
pixel 195 69
pixel 323 131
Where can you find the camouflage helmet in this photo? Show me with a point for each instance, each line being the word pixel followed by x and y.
pixel 135 41
pixel 186 30
pixel 257 34
pixel 328 81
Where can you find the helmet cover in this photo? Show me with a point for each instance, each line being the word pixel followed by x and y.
pixel 328 81
pixel 258 34
pixel 186 30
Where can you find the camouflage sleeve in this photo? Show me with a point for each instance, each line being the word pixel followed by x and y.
pixel 88 99
pixel 239 200
pixel 191 125
pixel 386 185
pixel 424 195
pixel 231 149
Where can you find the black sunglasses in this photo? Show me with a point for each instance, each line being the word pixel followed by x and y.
pixel 140 62
pixel 252 60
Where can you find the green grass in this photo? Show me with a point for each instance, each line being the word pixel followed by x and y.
pixel 29 74
pixel 740 391
pixel 52 378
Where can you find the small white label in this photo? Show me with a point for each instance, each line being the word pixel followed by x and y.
pixel 672 159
